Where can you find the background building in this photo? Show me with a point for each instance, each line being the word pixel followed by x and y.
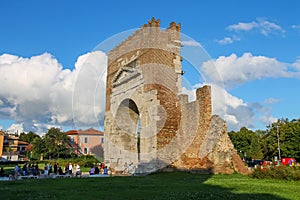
pixel 11 148
pixel 87 142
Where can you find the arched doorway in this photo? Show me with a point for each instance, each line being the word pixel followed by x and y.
pixel 128 122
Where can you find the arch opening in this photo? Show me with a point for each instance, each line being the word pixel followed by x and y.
pixel 128 121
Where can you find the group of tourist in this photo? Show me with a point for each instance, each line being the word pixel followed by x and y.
pixel 69 170
pixel 128 169
pixel 27 169
pixel 48 169
pixel 99 169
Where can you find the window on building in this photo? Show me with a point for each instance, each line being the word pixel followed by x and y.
pixel 102 140
pixel 86 140
pixel 72 140
pixel 85 150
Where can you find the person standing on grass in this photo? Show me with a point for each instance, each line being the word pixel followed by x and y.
pixel 78 172
pixel 125 171
pixel 60 171
pixel 17 171
pixel 105 170
pixel 66 169
pixel 97 171
pixel 46 169
pixel 70 168
pixel 55 168
pixel 131 169
pixel 37 168
pixel 92 170
pixel 50 168
pixel 2 172
pixel 24 168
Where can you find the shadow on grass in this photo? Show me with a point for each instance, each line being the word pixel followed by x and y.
pixel 163 185
pixel 184 185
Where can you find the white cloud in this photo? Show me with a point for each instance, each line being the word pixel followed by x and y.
pixel 38 92
pixel 226 40
pixel 191 43
pixel 271 101
pixel 296 26
pixel 236 70
pixel 261 25
pixel 16 128
pixel 89 96
pixel 243 26
pixel 267 119
pixel 296 65
pixel 234 110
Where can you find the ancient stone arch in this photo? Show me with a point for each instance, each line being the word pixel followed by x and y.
pixel 148 122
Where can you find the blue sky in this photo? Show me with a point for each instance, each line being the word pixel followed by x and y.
pixel 253 44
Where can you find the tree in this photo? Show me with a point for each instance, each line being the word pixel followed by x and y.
pixel 247 143
pixel 38 147
pixel 54 144
pixel 289 139
pixel 29 137
pixel 57 143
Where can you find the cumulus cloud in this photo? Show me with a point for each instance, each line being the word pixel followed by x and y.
pixel 16 128
pixel 261 25
pixel 268 119
pixel 236 70
pixel 191 43
pixel 234 110
pixel 38 93
pixel 296 65
pixel 242 26
pixel 89 96
pixel 226 40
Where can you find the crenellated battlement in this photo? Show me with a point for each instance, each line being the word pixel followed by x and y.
pixel 149 36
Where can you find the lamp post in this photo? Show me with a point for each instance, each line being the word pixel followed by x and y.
pixel 279 157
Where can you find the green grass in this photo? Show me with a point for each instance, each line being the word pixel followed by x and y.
pixel 177 185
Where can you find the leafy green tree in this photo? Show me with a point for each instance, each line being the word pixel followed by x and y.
pixel 38 147
pixel 289 139
pixel 28 137
pixel 247 143
pixel 54 144
pixel 57 143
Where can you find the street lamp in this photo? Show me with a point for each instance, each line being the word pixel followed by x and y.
pixel 279 157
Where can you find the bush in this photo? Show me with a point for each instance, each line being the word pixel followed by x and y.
pixel 277 172
pixel 84 161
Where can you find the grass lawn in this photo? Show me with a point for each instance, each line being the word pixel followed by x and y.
pixel 177 185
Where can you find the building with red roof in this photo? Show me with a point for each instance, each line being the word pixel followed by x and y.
pixel 87 142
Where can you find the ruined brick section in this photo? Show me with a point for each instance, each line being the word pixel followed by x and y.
pixel 145 70
pixel 170 114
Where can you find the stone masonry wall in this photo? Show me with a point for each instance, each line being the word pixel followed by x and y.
pixel 173 131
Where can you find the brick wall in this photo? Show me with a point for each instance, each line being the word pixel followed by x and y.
pixel 181 133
